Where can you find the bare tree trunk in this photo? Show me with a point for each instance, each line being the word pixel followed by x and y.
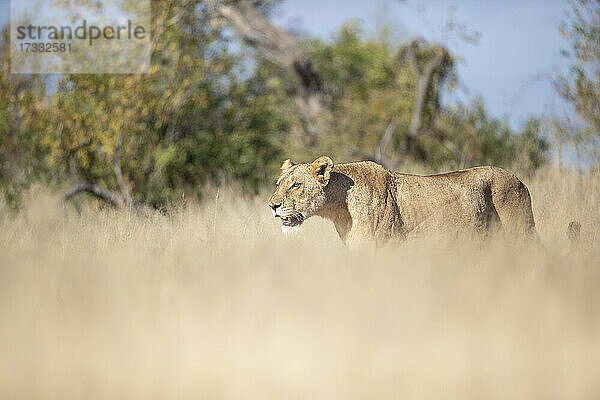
pixel 96 190
pixel 283 49
pixel 163 22
pixel 423 81
pixel 381 153
pixel 114 199
pixel 423 78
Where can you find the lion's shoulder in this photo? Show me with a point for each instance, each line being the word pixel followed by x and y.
pixel 365 174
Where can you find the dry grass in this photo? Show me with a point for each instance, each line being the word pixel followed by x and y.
pixel 201 304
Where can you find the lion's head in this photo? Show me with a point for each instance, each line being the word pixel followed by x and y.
pixel 300 191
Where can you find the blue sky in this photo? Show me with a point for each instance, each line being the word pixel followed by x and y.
pixel 509 67
pixel 4 11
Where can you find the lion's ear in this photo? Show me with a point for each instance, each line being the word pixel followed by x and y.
pixel 321 169
pixel 287 164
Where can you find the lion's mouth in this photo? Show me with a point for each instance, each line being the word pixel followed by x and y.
pixel 288 215
pixel 292 221
pixel 292 218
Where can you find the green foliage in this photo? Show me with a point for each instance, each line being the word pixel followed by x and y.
pixel 21 144
pixel 485 140
pixel 364 79
pixel 191 121
pixel 581 86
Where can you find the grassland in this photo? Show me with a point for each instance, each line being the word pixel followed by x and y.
pixel 210 301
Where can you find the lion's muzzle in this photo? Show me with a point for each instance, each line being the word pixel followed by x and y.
pixel 288 215
pixel 274 208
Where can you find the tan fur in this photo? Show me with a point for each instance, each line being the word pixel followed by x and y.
pixel 366 201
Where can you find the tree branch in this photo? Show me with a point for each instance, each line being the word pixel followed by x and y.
pixel 423 81
pixel 162 24
pixel 380 154
pixel 274 43
pixel 96 190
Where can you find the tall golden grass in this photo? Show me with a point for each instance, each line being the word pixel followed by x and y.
pixel 210 301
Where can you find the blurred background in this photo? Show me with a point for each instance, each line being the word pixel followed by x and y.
pixel 236 87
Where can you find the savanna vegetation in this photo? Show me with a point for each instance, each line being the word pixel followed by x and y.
pixel 230 94
pixel 210 301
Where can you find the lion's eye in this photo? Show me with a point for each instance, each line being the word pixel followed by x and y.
pixel 295 185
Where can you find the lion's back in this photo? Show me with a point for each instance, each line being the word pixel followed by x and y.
pixel 477 196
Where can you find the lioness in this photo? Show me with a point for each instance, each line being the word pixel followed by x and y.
pixel 366 201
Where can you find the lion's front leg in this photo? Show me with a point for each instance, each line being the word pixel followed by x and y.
pixel 356 242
